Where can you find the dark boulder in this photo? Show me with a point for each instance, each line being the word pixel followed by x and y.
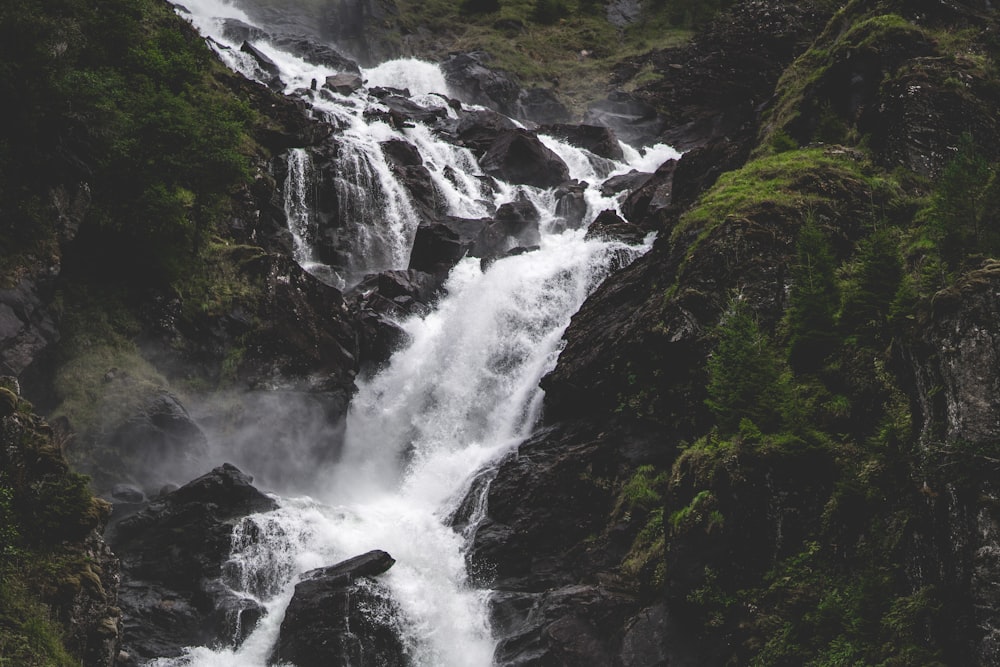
pixel 316 53
pixel 629 182
pixel 652 196
pixel 609 225
pixel 550 526
pixel 474 82
pixel 540 105
pixel 270 73
pixel 382 300
pixel 406 163
pixel 437 248
pixel 515 225
pixel 172 555
pixel 597 139
pixel 477 129
pixel 340 616
pixel 632 120
pixel 343 83
pixel 571 203
pixel 240 31
pixel 518 156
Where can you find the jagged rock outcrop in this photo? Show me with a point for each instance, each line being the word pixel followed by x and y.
pixel 341 615
pixel 548 551
pixel 172 554
pixel 518 156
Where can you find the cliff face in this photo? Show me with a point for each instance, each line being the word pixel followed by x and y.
pixel 774 433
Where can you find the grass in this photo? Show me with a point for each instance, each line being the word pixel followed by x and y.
pixel 574 56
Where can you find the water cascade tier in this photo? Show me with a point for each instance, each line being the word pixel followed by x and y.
pixel 461 389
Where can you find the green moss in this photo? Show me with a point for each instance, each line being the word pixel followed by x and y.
pixel 573 55
pixel 28 636
pixel 793 181
pixel 797 88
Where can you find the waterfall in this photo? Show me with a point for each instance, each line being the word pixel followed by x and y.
pixel 461 394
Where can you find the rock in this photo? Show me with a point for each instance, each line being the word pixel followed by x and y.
pixel 474 82
pixel 240 31
pixel 172 554
pixel 546 532
pixel 609 225
pixel 629 182
pixel 517 156
pixel 599 140
pixel 477 129
pixel 339 616
pixel 437 248
pixel 571 203
pixel 956 363
pixel 382 300
pixel 343 83
pixel 403 111
pixel 149 441
pixel 318 54
pixel 407 164
pixel 632 120
pixel 270 70
pixel 652 196
pixel 623 13
pixel 540 105
pixel 127 494
pixel 515 225
pixel 27 326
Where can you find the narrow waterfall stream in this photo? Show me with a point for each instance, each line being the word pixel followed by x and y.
pixel 463 391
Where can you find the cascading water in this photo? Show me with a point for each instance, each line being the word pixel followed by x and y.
pixel 460 395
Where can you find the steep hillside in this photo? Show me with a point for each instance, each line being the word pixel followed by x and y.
pixel 764 446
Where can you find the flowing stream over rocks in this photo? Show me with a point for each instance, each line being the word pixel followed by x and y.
pixel 463 389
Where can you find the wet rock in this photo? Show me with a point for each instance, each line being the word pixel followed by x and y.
pixel 652 196
pixel 343 83
pixel 240 31
pixel 597 139
pixel 545 533
pixel 540 105
pixel 477 129
pixel 318 53
pixel 172 554
pixel 515 225
pixel 269 68
pixel 159 434
pixel 632 120
pixel 408 166
pixel 609 225
pixel 517 156
pixel 382 301
pixel 437 248
pixel 623 13
pixel 571 203
pixel 629 182
pixel 341 616
pixel 474 82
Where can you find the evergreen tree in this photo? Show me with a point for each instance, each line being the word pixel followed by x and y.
pixel 745 379
pixel 813 301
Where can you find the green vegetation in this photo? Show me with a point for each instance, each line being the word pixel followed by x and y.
pixel 44 510
pixel 567 46
pixel 123 96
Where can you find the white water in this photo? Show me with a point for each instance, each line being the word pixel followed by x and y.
pixel 462 393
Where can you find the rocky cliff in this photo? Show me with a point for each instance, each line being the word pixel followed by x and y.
pixel 770 440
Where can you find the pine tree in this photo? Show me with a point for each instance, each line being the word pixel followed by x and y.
pixel 813 301
pixel 745 378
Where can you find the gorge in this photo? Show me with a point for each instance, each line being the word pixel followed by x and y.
pixel 377 361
